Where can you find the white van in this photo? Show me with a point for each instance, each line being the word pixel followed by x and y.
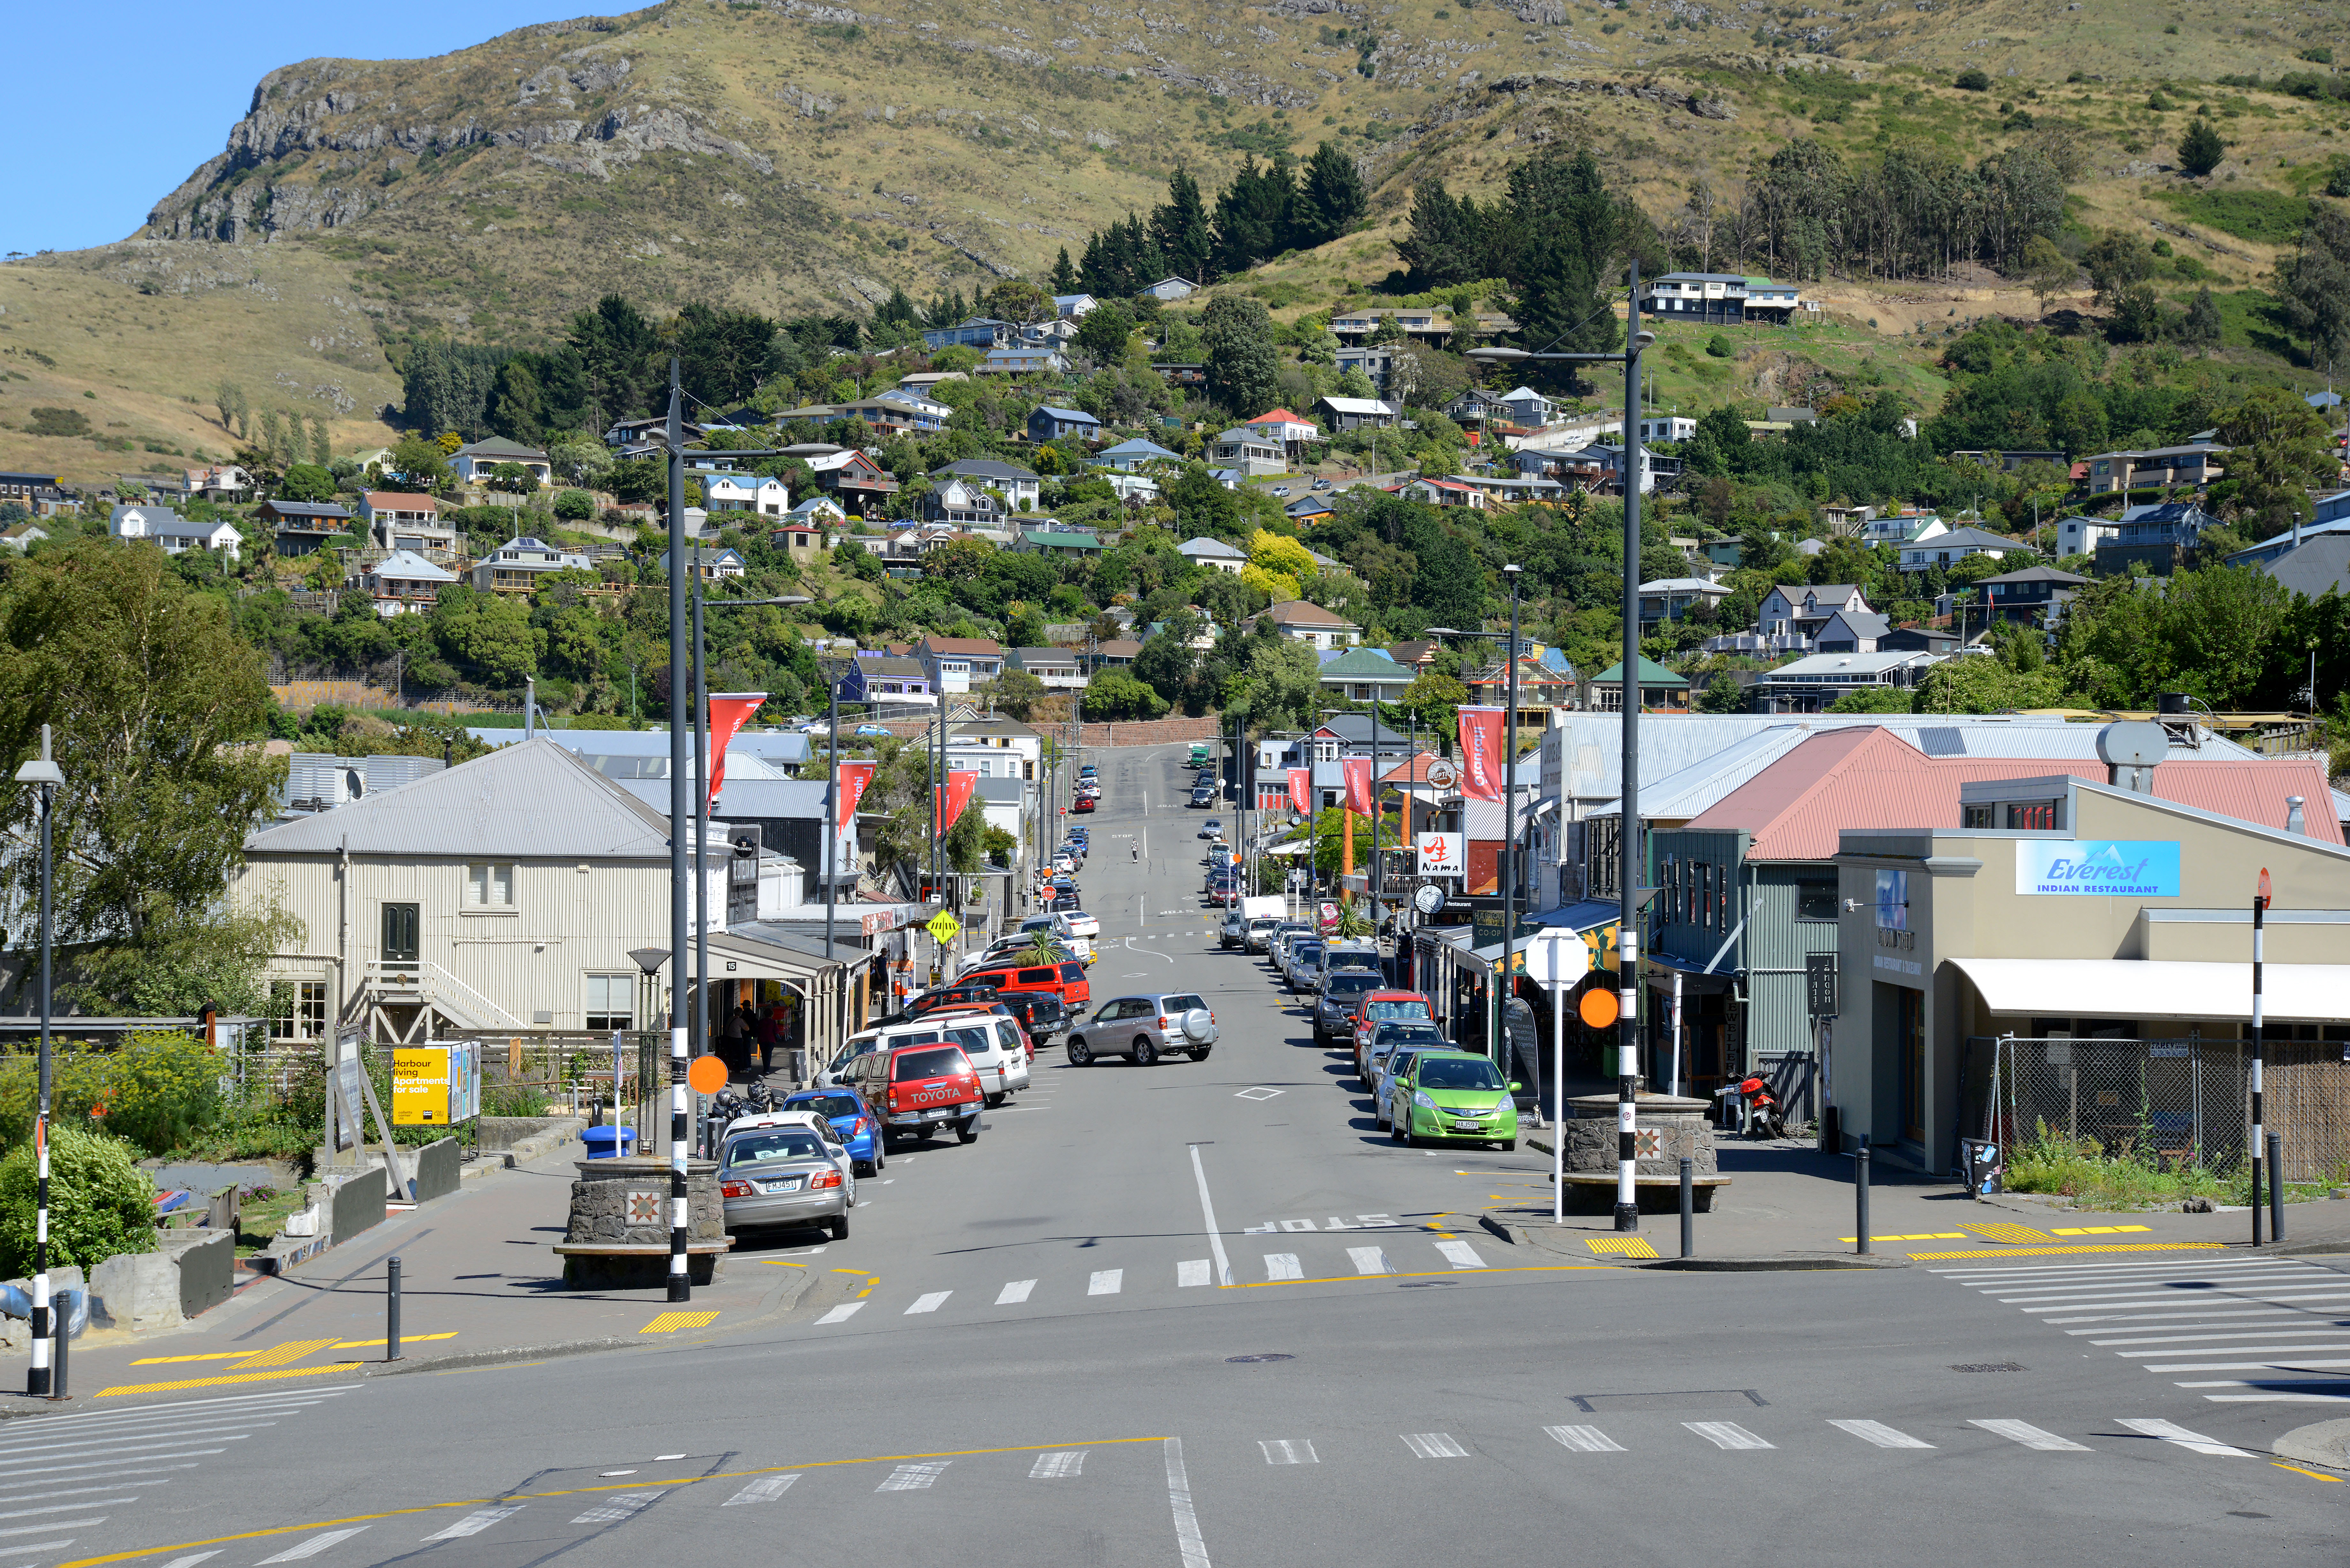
pixel 1078 930
pixel 989 1047
pixel 1006 1044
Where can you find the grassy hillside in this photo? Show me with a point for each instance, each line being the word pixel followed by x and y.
pixel 787 157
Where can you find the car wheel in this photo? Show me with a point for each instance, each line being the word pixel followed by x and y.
pixel 880 1155
pixel 967 1132
pixel 995 1100
pixel 839 1226
pixel 866 1167
pixel 1080 1054
pixel 1509 1145
pixel 1395 1131
pixel 1145 1053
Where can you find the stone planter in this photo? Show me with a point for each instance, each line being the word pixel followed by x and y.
pixel 1665 1128
pixel 617 1234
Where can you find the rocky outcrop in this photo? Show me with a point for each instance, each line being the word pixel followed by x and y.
pixel 626 135
pixel 1527 84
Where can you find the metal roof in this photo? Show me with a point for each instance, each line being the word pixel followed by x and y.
pixel 788 747
pixel 742 798
pixel 530 801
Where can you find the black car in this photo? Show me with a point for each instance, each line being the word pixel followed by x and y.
pixel 1039 1012
pixel 1201 799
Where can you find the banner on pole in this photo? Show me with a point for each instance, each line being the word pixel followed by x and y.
pixel 1357 773
pixel 1481 752
pixel 1301 791
pixel 958 795
pixel 729 711
pixel 853 779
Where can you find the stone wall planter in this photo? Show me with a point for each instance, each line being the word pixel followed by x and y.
pixel 617 1235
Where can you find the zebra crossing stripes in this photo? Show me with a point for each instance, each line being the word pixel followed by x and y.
pixel 1058 1465
pixel 621 1508
pixel 1586 1441
pixel 1369 1261
pixel 1727 1435
pixel 915 1477
pixel 2171 1432
pixel 1434 1446
pixel 766 1488
pixel 474 1523
pixel 1015 1292
pixel 1282 1266
pixel 313 1546
pixel 2030 1437
pixel 1878 1433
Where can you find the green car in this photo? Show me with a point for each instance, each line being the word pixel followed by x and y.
pixel 1451 1095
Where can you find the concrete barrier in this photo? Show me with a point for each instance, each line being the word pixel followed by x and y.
pixel 439 1166
pixel 356 1204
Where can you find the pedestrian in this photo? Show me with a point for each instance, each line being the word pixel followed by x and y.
pixel 768 1030
pixel 734 1047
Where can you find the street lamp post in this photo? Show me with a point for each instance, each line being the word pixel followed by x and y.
pixel 680 813
pixel 1628 1211
pixel 44 771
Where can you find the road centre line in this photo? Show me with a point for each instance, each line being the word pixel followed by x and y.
pixel 476 1502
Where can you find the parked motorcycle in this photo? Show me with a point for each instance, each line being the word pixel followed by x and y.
pixel 1760 1114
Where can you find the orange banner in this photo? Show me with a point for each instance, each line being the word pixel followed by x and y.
pixel 729 711
pixel 1481 752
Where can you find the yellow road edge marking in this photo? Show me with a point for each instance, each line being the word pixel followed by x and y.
pixel 224 1382
pixel 2299 1471
pixel 208 1355
pixel 2100 1247
pixel 404 1339
pixel 1426 1274
pixel 133 1556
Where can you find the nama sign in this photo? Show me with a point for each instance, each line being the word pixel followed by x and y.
pixel 2103 868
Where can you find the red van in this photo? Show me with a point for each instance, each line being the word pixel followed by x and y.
pixel 1066 980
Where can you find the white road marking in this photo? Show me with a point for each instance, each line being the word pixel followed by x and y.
pixel 914 1478
pixel 1461 1254
pixel 1289 1451
pixel 1369 1261
pixel 1058 1465
pixel 1191 1271
pixel 2171 1432
pixel 930 1303
pixel 1178 1500
pixel 1207 1213
pixel 2030 1437
pixel 1883 1435
pixel 63 1508
pixel 626 1506
pixel 1726 1434
pixel 1257 1093
pixel 1282 1266
pixel 474 1523
pixel 1586 1441
pixel 1106 1283
pixel 311 1547
pixel 190 1559
pixel 1434 1446
pixel 842 1313
pixel 766 1488
pixel 1016 1293
pixel 86 1491
pixel 54 1524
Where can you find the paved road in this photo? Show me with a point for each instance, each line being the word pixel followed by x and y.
pixel 1042 1348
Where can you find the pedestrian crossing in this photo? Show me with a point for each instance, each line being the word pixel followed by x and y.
pixel 1413 1256
pixel 2248 1331
pixel 62 1476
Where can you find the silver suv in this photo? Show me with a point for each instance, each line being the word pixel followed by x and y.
pixel 1145 1028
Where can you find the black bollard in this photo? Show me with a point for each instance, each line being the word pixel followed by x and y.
pixel 391 1312
pixel 2276 1187
pixel 61 1315
pixel 1860 1195
pixel 1688 1207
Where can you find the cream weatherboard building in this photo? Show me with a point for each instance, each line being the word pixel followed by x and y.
pixel 502 895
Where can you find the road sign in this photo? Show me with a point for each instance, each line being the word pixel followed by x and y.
pixel 1427 898
pixel 1442 855
pixel 1559 958
pixel 707 1075
pixel 944 928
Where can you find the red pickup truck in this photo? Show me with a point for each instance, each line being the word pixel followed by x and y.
pixel 1065 980
pixel 919 1091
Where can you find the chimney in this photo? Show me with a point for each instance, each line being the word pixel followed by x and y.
pixel 2293 821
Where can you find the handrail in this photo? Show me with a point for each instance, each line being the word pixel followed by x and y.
pixel 378 969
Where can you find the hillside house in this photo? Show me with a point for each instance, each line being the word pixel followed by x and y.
pixel 959 663
pixel 1167 290
pixel 1804 610
pixel 1355 413
pixel 746 493
pixel 1436 492
pixel 2161 535
pixel 1672 598
pixel 1025 359
pixel 1364 675
pixel 474 464
pixel 404 583
pixel 1021 486
pixel 1947 548
pixel 1214 554
pixel 301 527
pixel 1810 685
pixel 2033 595
pixel 1241 448
pixel 176 534
pixel 860 486
pixel 1049 422
pixel 1129 456
pixel 517 566
pixel 38 493
pixel 1287 431
pixel 981 332
pixel 1302 620
pixel 1852 631
pixel 2195 465
pixel 221 483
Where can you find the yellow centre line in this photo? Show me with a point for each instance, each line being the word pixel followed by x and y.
pixel 588 1491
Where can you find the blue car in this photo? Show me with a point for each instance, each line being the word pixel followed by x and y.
pixel 852 1118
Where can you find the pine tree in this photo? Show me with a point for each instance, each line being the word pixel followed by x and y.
pixel 1573 231
pixel 1065 276
pixel 2201 330
pixel 322 451
pixel 2200 150
pixel 1243 371
pixel 1434 245
pixel 1094 271
pixel 1252 214
pixel 1330 199
pixel 1180 227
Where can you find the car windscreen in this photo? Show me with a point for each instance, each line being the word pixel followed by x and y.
pixel 769 1148
pixel 1306 952
pixel 826 1105
pixel 1458 1074
pixel 916 1064
pixel 1073 971
pixel 1349 983
pixel 1379 1012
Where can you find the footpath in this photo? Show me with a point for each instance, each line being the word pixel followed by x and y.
pixel 480 1284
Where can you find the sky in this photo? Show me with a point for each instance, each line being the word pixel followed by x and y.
pixel 158 87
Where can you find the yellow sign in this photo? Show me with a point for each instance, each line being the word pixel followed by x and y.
pixel 944 928
pixel 420 1086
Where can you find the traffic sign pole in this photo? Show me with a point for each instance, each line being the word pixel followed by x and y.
pixel 1557 960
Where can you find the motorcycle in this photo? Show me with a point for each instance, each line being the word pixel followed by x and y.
pixel 1760 1114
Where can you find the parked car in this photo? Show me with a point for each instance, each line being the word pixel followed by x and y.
pixel 785 1172
pixel 1381 1007
pixel 997 1050
pixel 1085 803
pixel 1223 882
pixel 1233 932
pixel 921 1091
pixel 1079 932
pixel 859 1124
pixel 1145 1028
pixel 961 994
pixel 1386 1038
pixel 1065 980
pixel 1399 1061
pixel 1276 946
pixel 1304 962
pixel 1258 931
pixel 1334 1000
pixel 1451 1097
pixel 1212 828
pixel 1348 952
pixel 1040 1013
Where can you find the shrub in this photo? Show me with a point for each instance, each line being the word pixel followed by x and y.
pixel 100 1202
pixel 575 506
pixel 59 422
pixel 513 1100
pixel 158 1091
pixel 1720 346
pixel 1972 81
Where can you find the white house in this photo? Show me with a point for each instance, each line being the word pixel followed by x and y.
pixel 1074 307
pixel 1214 554
pixel 516 567
pixel 1021 487
pixel 1527 407
pixel 2082 535
pixel 1287 430
pixel 1950 547
pixel 1245 450
pixel 1676 428
pixel 405 583
pixel 1167 290
pixel 1804 610
pixel 1302 620
pixel 176 534
pixel 1131 455
pixel 746 493
pixel 1672 598
pixel 472 461
pixel 1902 528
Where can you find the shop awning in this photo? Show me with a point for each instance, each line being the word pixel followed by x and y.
pixel 1299 848
pixel 1588 915
pixel 2158 988
pixel 745 957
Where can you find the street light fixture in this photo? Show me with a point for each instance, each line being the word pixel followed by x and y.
pixel 45 774
pixel 1627 979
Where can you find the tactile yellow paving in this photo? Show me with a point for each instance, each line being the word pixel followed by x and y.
pixel 2001 1230
pixel 1621 1246
pixel 2099 1247
pixel 284 1355
pixel 671 1322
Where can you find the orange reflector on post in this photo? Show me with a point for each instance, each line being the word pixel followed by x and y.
pixel 707 1075
pixel 1599 1009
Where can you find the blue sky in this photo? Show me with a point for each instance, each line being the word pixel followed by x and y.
pixel 115 105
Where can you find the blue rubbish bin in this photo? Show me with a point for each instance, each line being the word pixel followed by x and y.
pixel 600 1141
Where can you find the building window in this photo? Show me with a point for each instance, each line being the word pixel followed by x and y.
pixel 612 1002
pixel 298 1010
pixel 2040 815
pixel 489 886
pixel 1815 900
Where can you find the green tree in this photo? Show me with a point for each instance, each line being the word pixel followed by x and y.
pixel 1243 369
pixel 1113 694
pixel 1330 198
pixel 100 1202
pixel 1019 301
pixel 1977 684
pixel 307 481
pixel 1167 661
pixel 1724 694
pixel 2200 328
pixel 2316 279
pixel 1102 335
pixel 2115 261
pixel 421 463
pixel 575 506
pixel 150 693
pixel 1065 276
pixel 2048 270
pixel 2200 150
pixel 1871 700
pixel 2280 449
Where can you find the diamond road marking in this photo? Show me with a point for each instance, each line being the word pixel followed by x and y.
pixel 626 1506
pixel 311 1547
pixel 914 1478
pixel 1191 1271
pixel 929 1302
pixel 842 1313
pixel 1461 1254
pixel 1016 1293
pixel 1107 1283
pixel 1369 1261
pixel 1259 1093
pixel 1282 1266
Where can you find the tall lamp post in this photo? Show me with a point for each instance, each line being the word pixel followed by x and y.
pixel 44 771
pixel 681 812
pixel 1627 980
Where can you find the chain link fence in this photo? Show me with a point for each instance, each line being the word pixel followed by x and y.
pixel 2178 1103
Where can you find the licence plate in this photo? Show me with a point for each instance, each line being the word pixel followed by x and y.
pixel 793 1185
pixel 937 1113
pixel 1466 1126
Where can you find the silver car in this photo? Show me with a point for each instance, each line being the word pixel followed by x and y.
pixel 1303 963
pixel 779 1178
pixel 1400 1034
pixel 1383 1089
pixel 1145 1028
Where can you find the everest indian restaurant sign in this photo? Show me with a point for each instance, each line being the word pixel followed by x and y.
pixel 2098 868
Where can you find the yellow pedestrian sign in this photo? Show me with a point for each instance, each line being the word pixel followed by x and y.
pixel 944 928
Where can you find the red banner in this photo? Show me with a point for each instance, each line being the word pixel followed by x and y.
pixel 729 711
pixel 958 793
pixel 1301 791
pixel 1357 773
pixel 848 787
pixel 1481 752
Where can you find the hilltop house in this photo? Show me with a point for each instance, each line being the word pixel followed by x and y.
pixel 473 463
pixel 176 534
pixel 1048 422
